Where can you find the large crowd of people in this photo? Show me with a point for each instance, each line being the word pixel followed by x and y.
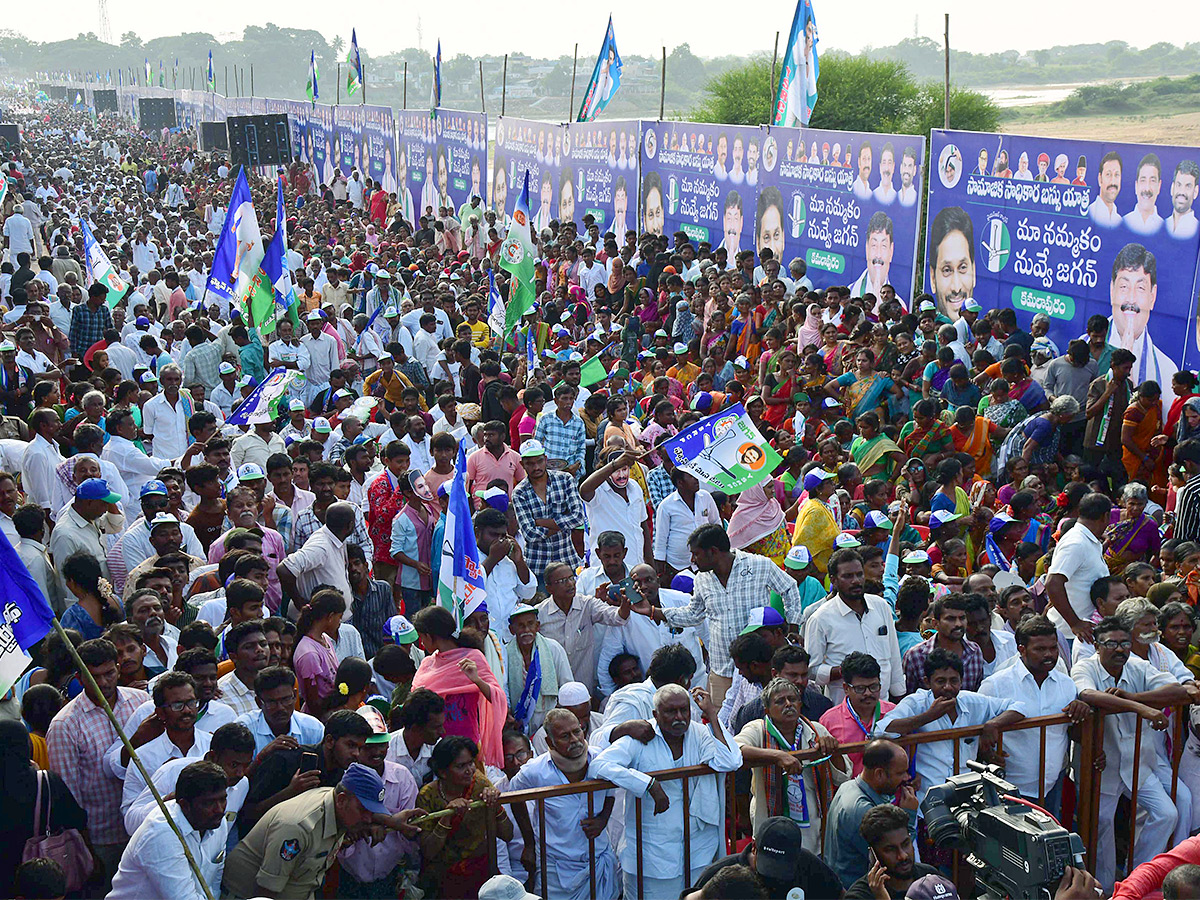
pixel 968 528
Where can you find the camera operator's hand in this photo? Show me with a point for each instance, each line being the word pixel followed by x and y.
pixel 908 797
pixel 1078 884
pixel 878 878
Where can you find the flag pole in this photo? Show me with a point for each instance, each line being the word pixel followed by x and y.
pixel 405 84
pixel 504 86
pixel 662 91
pixel 86 675
pixel 251 81
pixel 771 85
pixel 482 108
pixel 363 85
pixel 338 102
pixel 571 108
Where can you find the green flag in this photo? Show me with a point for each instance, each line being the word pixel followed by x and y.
pixel 516 258
pixel 591 372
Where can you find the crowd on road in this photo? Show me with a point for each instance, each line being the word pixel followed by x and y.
pixel 968 528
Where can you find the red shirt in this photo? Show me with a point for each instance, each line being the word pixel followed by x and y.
pixel 383 502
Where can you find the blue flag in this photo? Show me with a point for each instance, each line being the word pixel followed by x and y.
pixel 222 280
pixel 354 77
pixel 263 403
pixel 606 78
pixel 27 615
pixel 435 91
pixel 460 577
pixel 212 78
pixel 496 307
pixel 275 266
pixel 531 691
pixel 796 93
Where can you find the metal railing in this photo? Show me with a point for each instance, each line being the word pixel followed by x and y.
pixel 1085 819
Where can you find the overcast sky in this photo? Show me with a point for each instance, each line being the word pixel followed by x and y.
pixel 742 27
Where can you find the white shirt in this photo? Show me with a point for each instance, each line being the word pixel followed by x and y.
pixel 36 362
pixel 1137 676
pixel 37 471
pixel 398 753
pixel 935 760
pixel 426 350
pixel 145 256
pixel 1079 557
pixel 608 511
pixel 1139 224
pixel 251 448
pixel 1184 228
pixel 1005 644
pixel 136 547
pixel 165 779
pixel 135 466
pixel 304 728
pixel 19 232
pixel 505 590
pixel 625 763
pixel 833 631
pixel 641 637
pixel 33 555
pixel 1016 684
pixel 74 534
pixel 674 522
pixel 153 864
pixel 422 453
pixel 153 754
pixel 323 358
pixel 322 560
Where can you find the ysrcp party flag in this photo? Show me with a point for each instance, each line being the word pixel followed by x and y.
pixel 796 94
pixel 276 273
pixel 606 78
pixel 212 77
pixel 354 77
pixel 460 577
pixel 239 249
pixel 310 88
pixel 516 258
pixel 26 618
pixel 496 308
pixel 263 403
pixel 724 450
pixel 99 268
pixel 435 91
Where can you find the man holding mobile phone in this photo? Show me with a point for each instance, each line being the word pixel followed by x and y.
pixel 571 619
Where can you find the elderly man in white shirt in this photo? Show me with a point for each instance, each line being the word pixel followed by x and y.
pixel 1036 686
pixel 165 416
pixel 42 459
pixel 322 559
pixel 153 864
pixel 1145 691
pixel 676 740
pixel 135 466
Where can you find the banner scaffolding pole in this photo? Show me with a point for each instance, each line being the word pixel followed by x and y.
pixel 504 86
pixel 946 82
pixel 571 108
pixel 662 88
pixel 771 85
pixel 482 107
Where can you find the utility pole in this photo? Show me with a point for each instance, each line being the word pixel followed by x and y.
pixel 946 84
pixel 482 108
pixel 571 108
pixel 662 88
pixel 504 86
pixel 405 84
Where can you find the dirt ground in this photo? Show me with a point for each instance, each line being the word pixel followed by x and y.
pixel 1182 129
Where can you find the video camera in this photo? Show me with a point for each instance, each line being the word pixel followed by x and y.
pixel 1016 851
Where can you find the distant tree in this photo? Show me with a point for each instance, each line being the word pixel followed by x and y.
pixel 856 93
pixel 739 96
pixel 969 110
pixel 130 40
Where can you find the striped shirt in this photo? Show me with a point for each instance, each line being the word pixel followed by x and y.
pixel 562 440
pixel 77 740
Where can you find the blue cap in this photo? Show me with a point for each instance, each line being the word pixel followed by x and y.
pixel 367 786
pixel 96 489
pixel 763 617
pixel 815 478
pixel 943 517
pixel 153 487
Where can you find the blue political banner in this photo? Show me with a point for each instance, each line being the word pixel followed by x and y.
pixel 379 146
pixel 415 154
pixel 1070 229
pixel 846 203
pixel 725 450
pixel 537 147
pixel 702 180
pixel 348 121
pixel 601 162
pixel 461 166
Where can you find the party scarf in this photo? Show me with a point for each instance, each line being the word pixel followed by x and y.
pixel 794 804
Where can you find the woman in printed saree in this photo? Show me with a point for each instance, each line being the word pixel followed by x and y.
pixel 1022 386
pixel 1133 536
pixel 875 454
pixel 1002 408
pixel 779 387
pixel 1142 442
pixel 757 524
pixel 744 333
pixel 1038 438
pixel 832 348
pixel 1188 426
pixel 925 437
pixel 864 389
pixel 816 524
pixel 786 786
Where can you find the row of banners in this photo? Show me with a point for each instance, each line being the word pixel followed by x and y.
pixel 1071 229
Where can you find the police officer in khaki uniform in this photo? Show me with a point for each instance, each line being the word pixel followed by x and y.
pixel 289 850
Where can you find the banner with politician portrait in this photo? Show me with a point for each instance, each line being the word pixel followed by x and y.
pixel 460 169
pixel 542 149
pixel 847 203
pixel 600 160
pixel 349 121
pixel 1071 229
pixel 324 141
pixel 725 451
pixel 702 180
pixel 379 146
pixel 415 152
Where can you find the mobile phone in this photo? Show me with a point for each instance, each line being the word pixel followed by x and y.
pixel 308 761
pixel 629 586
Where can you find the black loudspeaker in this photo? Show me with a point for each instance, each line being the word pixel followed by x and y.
pixel 213 136
pixel 58 92
pixel 106 101
pixel 259 140
pixel 10 135
pixel 156 113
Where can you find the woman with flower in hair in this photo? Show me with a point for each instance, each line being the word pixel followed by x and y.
pixel 95 607
pixel 353 683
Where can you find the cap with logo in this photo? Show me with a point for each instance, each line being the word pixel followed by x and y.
pixel 400 630
pixel 379 729
pixel 163 518
pixel 931 887
pixel 226 368
pixel 846 541
pixel 520 609
pixel 366 785
pixel 815 478
pixel 778 843
pixel 153 487
pixel 295 405
pixel 943 517
pixel 504 887
pixel 320 423
pixel 763 617
pixel 799 557
pixel 877 519
pixel 915 558
pixel 250 472
pixel 532 447
pixel 972 305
